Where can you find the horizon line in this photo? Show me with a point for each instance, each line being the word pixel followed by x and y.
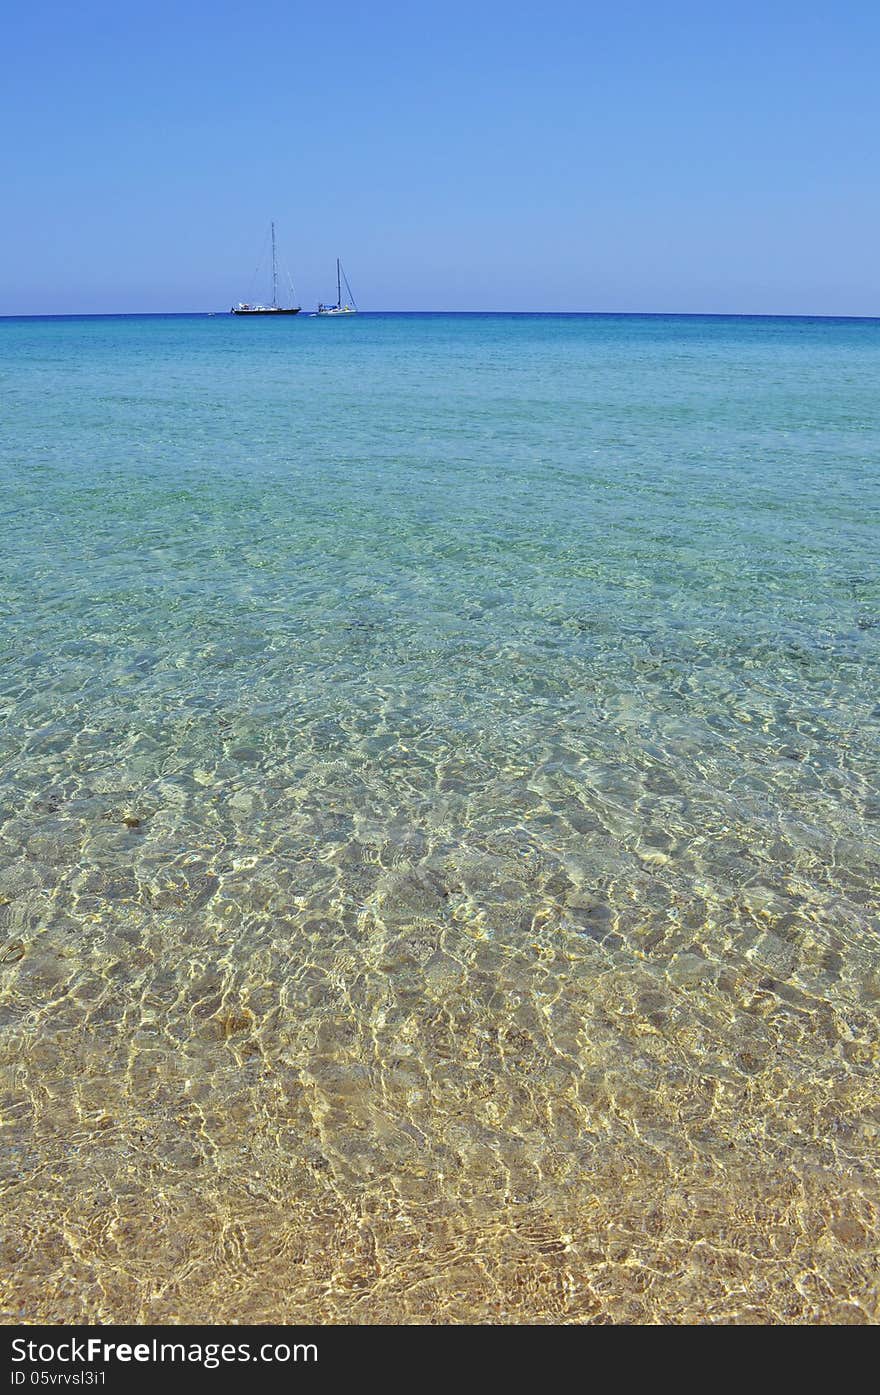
pixel 562 314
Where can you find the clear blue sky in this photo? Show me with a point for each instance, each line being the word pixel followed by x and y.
pixel 560 156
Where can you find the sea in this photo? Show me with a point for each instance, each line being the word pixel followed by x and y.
pixel 439 819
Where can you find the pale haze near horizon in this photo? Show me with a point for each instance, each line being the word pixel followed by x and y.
pixel 458 157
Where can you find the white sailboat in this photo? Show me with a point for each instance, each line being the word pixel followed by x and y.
pixel 349 308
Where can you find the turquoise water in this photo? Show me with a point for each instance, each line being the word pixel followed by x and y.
pixel 438 817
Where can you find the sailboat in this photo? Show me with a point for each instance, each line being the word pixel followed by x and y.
pixel 243 308
pixel 349 308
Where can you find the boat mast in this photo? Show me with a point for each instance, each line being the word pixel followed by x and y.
pixel 274 272
pixel 338 287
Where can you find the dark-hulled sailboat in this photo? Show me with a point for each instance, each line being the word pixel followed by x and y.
pixel 243 308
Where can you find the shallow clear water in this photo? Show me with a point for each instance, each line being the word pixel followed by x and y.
pixel 438 819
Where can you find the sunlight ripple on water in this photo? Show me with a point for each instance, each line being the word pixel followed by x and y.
pixel 438 820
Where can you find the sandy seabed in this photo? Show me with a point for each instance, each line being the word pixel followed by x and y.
pixel 489 1134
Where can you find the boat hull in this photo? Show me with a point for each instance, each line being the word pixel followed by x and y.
pixel 294 311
